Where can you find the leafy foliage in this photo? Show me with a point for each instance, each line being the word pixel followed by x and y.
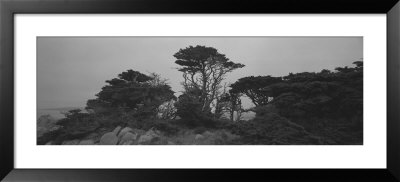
pixel 167 110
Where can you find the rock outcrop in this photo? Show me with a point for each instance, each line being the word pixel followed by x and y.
pixel 198 137
pixel 109 138
pixel 86 142
pixel 149 137
pixel 128 139
pixel 128 136
pixel 116 130
pixel 124 131
pixel 71 142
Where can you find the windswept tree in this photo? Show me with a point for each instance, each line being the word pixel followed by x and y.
pixel 133 91
pixel 204 69
pixel 252 87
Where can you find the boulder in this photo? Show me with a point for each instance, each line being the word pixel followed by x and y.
pixel 109 139
pixel 152 132
pixel 124 131
pixel 138 131
pixel 116 130
pixel 71 142
pixel 207 133
pixel 128 138
pixel 149 137
pixel 86 142
pixel 95 137
pixel 145 139
pixel 199 137
pixel 128 142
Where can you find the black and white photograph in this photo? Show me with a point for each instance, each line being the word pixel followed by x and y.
pixel 199 90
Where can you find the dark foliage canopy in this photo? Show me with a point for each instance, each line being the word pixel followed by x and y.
pixel 252 87
pixel 196 59
pixel 132 90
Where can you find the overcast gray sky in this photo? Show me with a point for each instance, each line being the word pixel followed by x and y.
pixel 72 70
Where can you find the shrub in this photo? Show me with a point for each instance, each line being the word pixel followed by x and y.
pixel 189 109
pixel 75 125
pixel 199 130
pixel 48 136
pixel 269 128
pixel 166 126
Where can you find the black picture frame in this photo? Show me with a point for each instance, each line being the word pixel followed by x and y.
pixel 8 8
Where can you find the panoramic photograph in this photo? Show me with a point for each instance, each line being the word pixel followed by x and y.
pixel 199 90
